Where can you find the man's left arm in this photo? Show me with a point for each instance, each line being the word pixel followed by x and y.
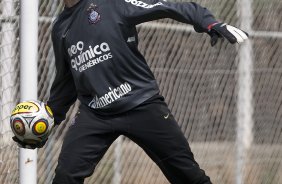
pixel 139 11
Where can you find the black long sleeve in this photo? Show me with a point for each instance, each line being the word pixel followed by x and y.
pixel 63 91
pixel 97 56
pixel 137 12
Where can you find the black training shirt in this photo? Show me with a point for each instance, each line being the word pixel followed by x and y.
pixel 97 60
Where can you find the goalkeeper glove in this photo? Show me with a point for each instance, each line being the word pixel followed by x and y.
pixel 223 30
pixel 29 145
pixel 40 144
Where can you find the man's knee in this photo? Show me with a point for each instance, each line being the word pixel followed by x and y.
pixel 182 168
pixel 63 176
pixel 74 171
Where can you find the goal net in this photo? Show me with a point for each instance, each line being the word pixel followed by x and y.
pixel 227 99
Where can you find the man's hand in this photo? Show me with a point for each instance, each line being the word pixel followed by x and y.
pixel 29 146
pixel 223 30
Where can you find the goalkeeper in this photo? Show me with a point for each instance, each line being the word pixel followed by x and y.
pixel 98 62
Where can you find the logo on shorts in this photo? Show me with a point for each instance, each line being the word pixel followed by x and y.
pixel 166 116
pixel 93 15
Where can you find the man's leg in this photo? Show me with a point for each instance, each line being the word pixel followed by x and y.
pixel 155 130
pixel 85 143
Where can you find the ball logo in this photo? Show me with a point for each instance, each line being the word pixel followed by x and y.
pixel 25 107
pixel 40 127
pixel 49 111
pixel 18 126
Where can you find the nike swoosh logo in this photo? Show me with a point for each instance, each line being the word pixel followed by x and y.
pixel 165 117
pixel 66 33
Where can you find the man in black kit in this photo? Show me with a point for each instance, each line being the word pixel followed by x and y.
pixel 97 61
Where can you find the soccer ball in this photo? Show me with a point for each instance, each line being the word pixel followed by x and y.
pixel 32 121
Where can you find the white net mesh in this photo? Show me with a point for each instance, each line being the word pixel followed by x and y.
pixel 200 83
pixel 9 87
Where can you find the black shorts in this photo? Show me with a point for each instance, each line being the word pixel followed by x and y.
pixel 150 125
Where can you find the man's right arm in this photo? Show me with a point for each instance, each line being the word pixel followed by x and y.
pixel 63 92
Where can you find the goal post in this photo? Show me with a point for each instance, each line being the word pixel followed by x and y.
pixel 28 80
pixel 245 107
